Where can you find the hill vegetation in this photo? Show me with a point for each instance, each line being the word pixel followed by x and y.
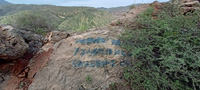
pixel 56 18
pixel 2 2
pixel 166 52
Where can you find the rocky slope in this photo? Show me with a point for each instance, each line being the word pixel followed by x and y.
pixel 2 2
pixel 90 60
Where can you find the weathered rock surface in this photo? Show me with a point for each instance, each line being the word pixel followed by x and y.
pixel 182 1
pixel 91 60
pixel 94 54
pixel 34 41
pixel 21 71
pixel 128 18
pixel 12 45
pixel 190 6
pixel 15 42
pixel 55 36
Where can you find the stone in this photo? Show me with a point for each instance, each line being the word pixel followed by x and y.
pixel 157 6
pixel 182 1
pixel 189 1
pixel 189 9
pixel 91 61
pixel 55 36
pixel 12 45
pixel 34 41
pixel 190 4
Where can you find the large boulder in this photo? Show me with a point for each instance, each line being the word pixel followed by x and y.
pixel 89 61
pixel 12 45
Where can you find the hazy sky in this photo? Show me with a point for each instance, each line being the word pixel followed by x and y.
pixel 92 3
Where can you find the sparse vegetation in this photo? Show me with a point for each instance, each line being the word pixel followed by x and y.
pixel 48 17
pixel 88 79
pixel 113 86
pixel 21 85
pixel 131 7
pixel 166 52
pixel 34 22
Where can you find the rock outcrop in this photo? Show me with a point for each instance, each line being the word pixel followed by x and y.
pixel 16 42
pixel 34 41
pixel 128 18
pixel 34 51
pixel 55 36
pixel 182 1
pixel 189 6
pixel 12 45
pixel 89 61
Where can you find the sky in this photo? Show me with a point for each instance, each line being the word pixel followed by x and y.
pixel 90 3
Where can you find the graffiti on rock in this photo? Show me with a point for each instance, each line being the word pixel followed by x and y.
pixel 92 52
pixel 99 63
pixel 99 51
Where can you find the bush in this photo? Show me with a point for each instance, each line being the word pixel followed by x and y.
pixel 166 51
pixel 88 79
pixel 131 7
pixel 33 21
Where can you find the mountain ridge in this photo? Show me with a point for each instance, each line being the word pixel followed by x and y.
pixel 59 17
pixel 2 2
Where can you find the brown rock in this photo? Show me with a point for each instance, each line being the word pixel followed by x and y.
pixel 12 45
pixel 188 1
pixel 190 4
pixel 55 36
pixel 34 41
pixel 157 6
pixel 69 65
pixel 189 9
pixel 182 1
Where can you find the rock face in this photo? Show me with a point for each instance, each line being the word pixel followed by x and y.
pixel 34 41
pixel 55 36
pixel 89 61
pixel 190 6
pixel 128 18
pixel 188 1
pixel 15 42
pixel 12 45
pixel 182 1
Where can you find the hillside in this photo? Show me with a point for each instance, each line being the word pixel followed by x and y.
pixel 151 47
pixel 59 18
pixel 4 2
pixel 118 12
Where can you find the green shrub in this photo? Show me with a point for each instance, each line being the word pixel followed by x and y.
pixel 33 21
pixel 40 31
pixel 131 7
pixel 166 51
pixel 85 20
pixel 88 79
